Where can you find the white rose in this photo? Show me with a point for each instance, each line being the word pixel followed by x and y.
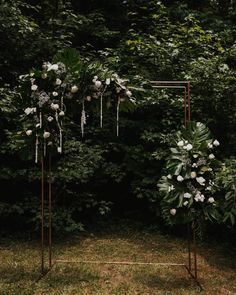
pixel 211 200
pixel 180 178
pixel 184 147
pixel 34 87
pixel 95 78
pixel 197 197
pixel 185 203
pixel 202 198
pixel 53 67
pixel 61 114
pixel 28 111
pixel 98 84
pixel 55 93
pixel 58 81
pixel 54 106
pixel 210 145
pixel 46 135
pixel 201 180
pixel 189 147
pixel 211 156
pixel 195 156
pixel 216 143
pixel 169 176
pixel 74 89
pixel 128 93
pixel 108 81
pixel 29 132
pixel 173 211
pixel 88 98
pixel 193 174
pixel 50 119
pixel 187 195
pixel 180 143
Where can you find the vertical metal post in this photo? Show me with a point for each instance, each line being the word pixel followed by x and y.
pixel 185 108
pixel 189 249
pixel 50 209
pixel 195 249
pixel 189 103
pixel 42 215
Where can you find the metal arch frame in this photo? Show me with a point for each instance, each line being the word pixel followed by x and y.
pixel 192 249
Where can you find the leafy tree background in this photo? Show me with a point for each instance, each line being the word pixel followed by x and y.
pixel 141 40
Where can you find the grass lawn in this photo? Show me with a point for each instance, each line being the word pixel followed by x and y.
pixel 19 265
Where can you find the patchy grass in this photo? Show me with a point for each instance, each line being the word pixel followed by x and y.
pixel 19 266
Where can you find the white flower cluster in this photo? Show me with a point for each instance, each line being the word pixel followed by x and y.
pixel 185 145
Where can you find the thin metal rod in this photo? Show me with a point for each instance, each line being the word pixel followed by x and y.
pixel 193 277
pixel 189 103
pixel 50 209
pixel 195 250
pixel 42 215
pixel 44 274
pixel 169 82
pixel 185 108
pixel 118 262
pixel 189 249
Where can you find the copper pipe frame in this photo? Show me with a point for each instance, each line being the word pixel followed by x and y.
pixel 44 270
pixel 185 85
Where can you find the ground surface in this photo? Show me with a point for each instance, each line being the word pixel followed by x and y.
pixel 19 266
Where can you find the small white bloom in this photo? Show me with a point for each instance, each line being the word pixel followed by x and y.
pixel 189 147
pixel 108 81
pixel 201 180
pixel 210 145
pixel 128 93
pixel 88 98
pixel 55 93
pixel 210 169
pixel 216 143
pixel 208 188
pixel 193 174
pixel 98 84
pixel 202 198
pixel 54 106
pixel 61 114
pixel 195 156
pixel 29 132
pixel 187 195
pixel 169 176
pixel 44 75
pixel 180 178
pixel 186 141
pixel 58 81
pixel 74 89
pixel 59 150
pixel 180 143
pixel 194 165
pixel 95 78
pixel 34 87
pixel 50 119
pixel 53 67
pixel 211 156
pixel 197 197
pixel 185 203
pixel 223 68
pixel 184 147
pixel 173 211
pixel 46 134
pixel 28 111
pixel 37 125
pixel 211 200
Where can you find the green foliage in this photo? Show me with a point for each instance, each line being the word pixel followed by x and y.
pixel 226 182
pixel 188 187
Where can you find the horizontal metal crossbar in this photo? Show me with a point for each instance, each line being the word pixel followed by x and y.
pixel 118 262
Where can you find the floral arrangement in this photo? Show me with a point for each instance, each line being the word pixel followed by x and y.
pixel 188 187
pixel 67 83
